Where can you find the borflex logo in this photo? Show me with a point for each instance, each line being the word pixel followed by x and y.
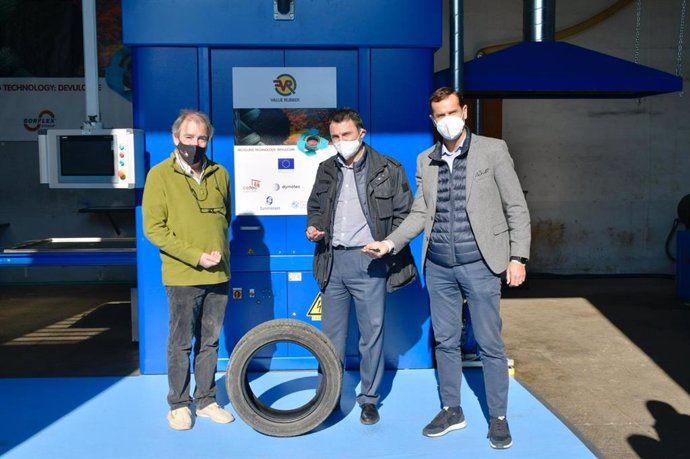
pixel 45 119
pixel 285 84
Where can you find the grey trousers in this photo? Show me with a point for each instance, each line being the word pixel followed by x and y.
pixel 195 312
pixel 448 287
pixel 355 276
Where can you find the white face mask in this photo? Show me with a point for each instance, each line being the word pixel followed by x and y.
pixel 347 148
pixel 450 127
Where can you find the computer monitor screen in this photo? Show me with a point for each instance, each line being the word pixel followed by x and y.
pixel 87 156
pixel 94 158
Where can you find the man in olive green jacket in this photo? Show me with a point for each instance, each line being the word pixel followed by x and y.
pixel 186 210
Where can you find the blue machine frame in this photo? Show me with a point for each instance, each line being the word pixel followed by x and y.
pixel 183 57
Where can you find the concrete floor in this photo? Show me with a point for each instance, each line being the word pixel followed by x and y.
pixel 609 356
pixel 66 330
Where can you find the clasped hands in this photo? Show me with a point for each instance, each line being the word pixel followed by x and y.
pixel 209 260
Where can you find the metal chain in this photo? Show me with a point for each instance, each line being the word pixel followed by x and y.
pixel 681 33
pixel 638 17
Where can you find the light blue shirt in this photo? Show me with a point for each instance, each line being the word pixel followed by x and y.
pixel 350 227
pixel 449 156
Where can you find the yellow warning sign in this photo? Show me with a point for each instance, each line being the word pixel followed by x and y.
pixel 315 310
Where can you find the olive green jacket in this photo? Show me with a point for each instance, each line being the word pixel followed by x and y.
pixel 185 219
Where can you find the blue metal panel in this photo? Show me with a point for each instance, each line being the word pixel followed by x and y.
pixel 302 292
pixel 70 252
pixel 102 258
pixel 364 72
pixel 165 80
pixel 268 301
pixel 401 82
pixel 250 23
pixel 408 340
pixel 204 63
pixel 152 303
pixel 242 263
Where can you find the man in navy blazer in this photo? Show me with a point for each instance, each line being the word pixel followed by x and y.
pixel 471 207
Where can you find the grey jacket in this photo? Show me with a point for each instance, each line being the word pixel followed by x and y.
pixel 388 199
pixel 496 206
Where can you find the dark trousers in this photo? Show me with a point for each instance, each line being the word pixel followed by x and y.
pixel 355 276
pixel 448 287
pixel 195 312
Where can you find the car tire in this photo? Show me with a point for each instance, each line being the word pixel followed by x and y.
pixel 296 421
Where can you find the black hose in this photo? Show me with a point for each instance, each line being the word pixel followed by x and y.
pixel 676 222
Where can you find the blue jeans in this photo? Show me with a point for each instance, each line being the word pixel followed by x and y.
pixel 195 312
pixel 448 287
pixel 355 276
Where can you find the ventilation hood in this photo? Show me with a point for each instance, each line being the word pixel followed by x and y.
pixel 541 67
pixel 552 69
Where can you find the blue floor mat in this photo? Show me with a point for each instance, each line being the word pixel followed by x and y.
pixel 108 417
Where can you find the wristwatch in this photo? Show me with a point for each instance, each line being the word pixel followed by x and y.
pixel 521 260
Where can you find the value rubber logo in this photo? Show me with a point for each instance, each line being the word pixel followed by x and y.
pixel 285 84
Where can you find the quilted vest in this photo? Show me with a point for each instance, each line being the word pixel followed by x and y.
pixel 451 242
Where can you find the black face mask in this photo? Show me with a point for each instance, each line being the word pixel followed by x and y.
pixel 191 154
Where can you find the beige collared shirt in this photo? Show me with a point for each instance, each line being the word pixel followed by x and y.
pixel 188 169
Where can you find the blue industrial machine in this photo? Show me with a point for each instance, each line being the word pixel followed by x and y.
pixel 183 56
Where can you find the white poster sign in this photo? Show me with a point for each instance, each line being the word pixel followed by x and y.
pixel 30 104
pixel 281 136
pixel 284 87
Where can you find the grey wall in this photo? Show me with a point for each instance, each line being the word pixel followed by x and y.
pixel 603 177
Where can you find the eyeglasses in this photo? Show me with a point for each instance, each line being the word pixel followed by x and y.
pixel 199 202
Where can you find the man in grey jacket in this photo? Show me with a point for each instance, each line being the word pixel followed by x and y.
pixel 359 195
pixel 472 209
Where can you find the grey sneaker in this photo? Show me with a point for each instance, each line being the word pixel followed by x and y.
pixel 499 433
pixel 447 420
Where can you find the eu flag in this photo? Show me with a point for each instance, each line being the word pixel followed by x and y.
pixel 286 163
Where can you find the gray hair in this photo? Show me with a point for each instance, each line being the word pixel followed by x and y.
pixel 193 114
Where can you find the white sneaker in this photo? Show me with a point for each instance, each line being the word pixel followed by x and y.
pixel 180 419
pixel 216 413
